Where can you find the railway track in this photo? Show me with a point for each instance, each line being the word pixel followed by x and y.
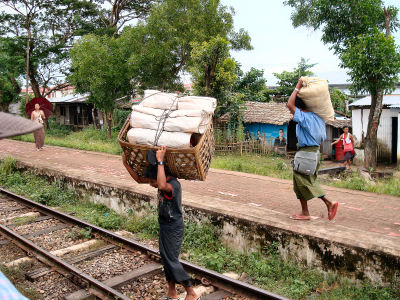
pixel 67 258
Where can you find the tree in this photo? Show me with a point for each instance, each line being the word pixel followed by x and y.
pixel 164 41
pixel 99 67
pixel 287 80
pixel 339 100
pixel 114 14
pixel 9 93
pixel 214 71
pixel 44 29
pixel 11 67
pixel 359 32
pixel 252 85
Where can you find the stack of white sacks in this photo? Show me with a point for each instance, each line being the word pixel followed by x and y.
pixel 187 115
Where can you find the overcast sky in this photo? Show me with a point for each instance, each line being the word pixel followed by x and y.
pixel 278 46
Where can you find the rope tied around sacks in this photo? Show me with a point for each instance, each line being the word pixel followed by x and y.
pixel 166 114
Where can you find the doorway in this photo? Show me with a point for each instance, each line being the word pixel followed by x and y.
pixel 395 136
pixel 291 136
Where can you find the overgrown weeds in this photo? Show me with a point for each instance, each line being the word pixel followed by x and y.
pixel 201 245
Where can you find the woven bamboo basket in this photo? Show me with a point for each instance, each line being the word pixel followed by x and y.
pixel 189 163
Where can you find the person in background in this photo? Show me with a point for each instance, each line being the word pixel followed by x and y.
pixel 280 142
pixel 247 137
pixel 169 193
pixel 259 136
pixel 38 116
pixel 348 146
pixel 311 132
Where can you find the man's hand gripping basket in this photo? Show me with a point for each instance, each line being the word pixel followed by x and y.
pixel 189 163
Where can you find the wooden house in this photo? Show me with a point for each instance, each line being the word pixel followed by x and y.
pixel 267 118
pixel 73 110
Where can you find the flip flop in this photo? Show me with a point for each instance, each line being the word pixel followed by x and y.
pixel 300 218
pixel 168 298
pixel 332 212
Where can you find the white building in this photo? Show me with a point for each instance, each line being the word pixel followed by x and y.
pixel 389 126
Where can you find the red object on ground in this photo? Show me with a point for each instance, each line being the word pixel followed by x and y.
pixel 332 213
pixel 339 153
pixel 45 105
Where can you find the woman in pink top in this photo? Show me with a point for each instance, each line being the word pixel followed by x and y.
pixel 348 146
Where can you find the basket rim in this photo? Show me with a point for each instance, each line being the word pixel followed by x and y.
pixel 126 126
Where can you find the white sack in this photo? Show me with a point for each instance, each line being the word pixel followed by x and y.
pixel 160 100
pixel 169 139
pixel 180 124
pixel 174 114
pixel 207 104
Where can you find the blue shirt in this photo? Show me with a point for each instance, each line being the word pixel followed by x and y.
pixel 310 129
pixel 8 291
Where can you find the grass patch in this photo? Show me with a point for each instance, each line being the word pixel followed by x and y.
pixel 268 165
pixel 89 139
pixel 352 180
pixel 17 276
pixel 201 245
pixel 23 220
pixel 271 165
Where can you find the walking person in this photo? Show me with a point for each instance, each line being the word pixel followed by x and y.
pixel 171 223
pixel 38 116
pixel 348 147
pixel 311 132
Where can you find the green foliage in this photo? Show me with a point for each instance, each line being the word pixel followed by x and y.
pixel 145 226
pixel 7 166
pixel 100 68
pixel 53 25
pixel 8 92
pixel 373 62
pixel 252 85
pixel 87 139
pixel 287 80
pixel 162 45
pixel 339 100
pixel 17 276
pixel 119 118
pixel 57 130
pixel 213 69
pixel 268 165
pixel 340 21
pixel 202 245
pixel 354 30
pixel 80 233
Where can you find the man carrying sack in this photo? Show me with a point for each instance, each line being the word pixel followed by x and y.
pixel 311 132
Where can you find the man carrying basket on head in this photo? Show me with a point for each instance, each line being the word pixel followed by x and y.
pixel 311 132
pixel 170 220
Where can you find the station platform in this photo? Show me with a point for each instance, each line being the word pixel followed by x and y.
pixel 363 240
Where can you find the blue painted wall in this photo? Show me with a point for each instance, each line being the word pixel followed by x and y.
pixel 268 129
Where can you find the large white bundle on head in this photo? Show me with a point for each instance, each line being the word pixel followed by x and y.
pixel 206 104
pixel 176 117
pixel 176 123
pixel 159 112
pixel 169 139
pixel 160 100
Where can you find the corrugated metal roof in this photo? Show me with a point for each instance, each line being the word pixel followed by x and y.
pixel 73 98
pixel 387 100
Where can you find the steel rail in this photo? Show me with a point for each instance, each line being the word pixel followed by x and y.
pixel 214 278
pixel 98 288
